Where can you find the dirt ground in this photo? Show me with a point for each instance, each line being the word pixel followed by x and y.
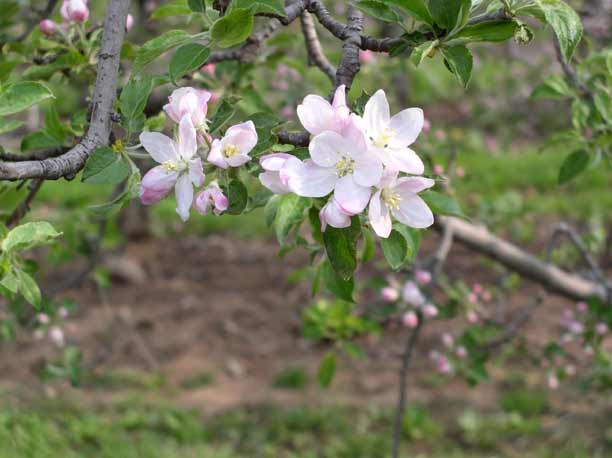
pixel 183 307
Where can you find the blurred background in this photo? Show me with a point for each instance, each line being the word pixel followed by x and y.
pixel 164 339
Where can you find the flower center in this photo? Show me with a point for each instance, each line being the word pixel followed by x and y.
pixel 383 139
pixel 392 199
pixel 172 166
pixel 230 150
pixel 345 166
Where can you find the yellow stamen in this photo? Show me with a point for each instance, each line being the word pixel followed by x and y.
pixel 392 199
pixel 345 166
pixel 230 150
pixel 383 139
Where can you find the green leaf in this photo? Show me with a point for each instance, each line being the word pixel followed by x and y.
pixel 413 240
pixel 154 48
pixel 395 249
pixel 339 287
pixel 21 95
pixel 39 140
pixel 564 21
pixel 327 369
pixel 554 87
pixel 225 112
pixel 341 248
pixel 29 235
pixel 10 282
pixel 105 166
pixel 289 213
pixel 494 31
pixel 130 192
pixel 442 204
pixel 134 96
pixel 174 8
pixel 422 51
pixel 573 165
pixel 233 28
pixel 186 58
pixel 238 197
pixel 416 8
pixel 9 125
pixel 197 6
pixel 377 9
pixel 260 6
pixel 459 61
pixel 449 14
pixel 270 209
pixel 29 289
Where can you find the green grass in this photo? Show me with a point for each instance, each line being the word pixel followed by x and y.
pixel 132 429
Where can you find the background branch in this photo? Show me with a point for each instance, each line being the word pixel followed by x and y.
pixel 316 56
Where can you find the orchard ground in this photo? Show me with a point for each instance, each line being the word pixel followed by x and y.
pixel 192 347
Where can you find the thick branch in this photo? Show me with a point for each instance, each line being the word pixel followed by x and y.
pixel 549 276
pixel 316 56
pixel 349 62
pixel 68 164
pixel 35 156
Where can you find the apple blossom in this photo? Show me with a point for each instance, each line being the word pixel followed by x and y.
pixel 339 163
pixel 398 197
pixel 211 197
pixel 129 22
pixel 430 311
pixel 389 137
pixel 191 102
pixel 180 167
pixel 276 166
pixel 75 10
pixel 209 68
pixel 552 381
pixel 570 369
pixel 438 169
pixel 460 172
pixel 472 317
pixel 422 277
pixel 473 298
pixel 447 340
pixel 47 26
pixel 233 149
pixel 411 294
pixel 317 115
pixel 461 352
pixel 477 288
pixel 582 307
pixel 389 294
pixel 601 329
pixel 575 327
pixel 42 318
pixel 333 214
pixel 410 320
pixel 57 336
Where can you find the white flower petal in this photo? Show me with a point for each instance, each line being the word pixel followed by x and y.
pixel 325 148
pixel 187 141
pixel 376 114
pixel 379 216
pixel 159 146
pixel 309 180
pixel 408 125
pixel 184 196
pixel 413 211
pixel 316 114
pixel 351 197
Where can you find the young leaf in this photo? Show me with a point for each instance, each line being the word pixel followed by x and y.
pixel 197 6
pixel 134 96
pixel 105 166
pixel 10 282
pixel 260 6
pixel 494 31
pixel 224 113
pixel 238 197
pixel 395 249
pixel 21 95
pixel 173 8
pixel 154 48
pixel 422 51
pixel 573 165
pixel 233 28
pixel 9 125
pixel 442 204
pixel 449 14
pixel 29 235
pixel 339 287
pixel 290 211
pixel 341 248
pixel 416 8
pixel 186 58
pixel 327 369
pixel 377 9
pixel 553 87
pixel 459 61
pixel 28 288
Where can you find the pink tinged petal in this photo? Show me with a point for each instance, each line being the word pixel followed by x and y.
pixel 368 167
pixel 316 114
pixel 156 184
pixel 159 146
pixel 333 215
pixel 309 180
pixel 187 141
pixel 184 196
pixel 220 200
pixel 64 11
pixel 376 114
pixel 326 148
pixel 172 114
pixel 413 185
pixel 403 160
pixel 272 181
pixel 351 197
pixel 196 172
pixel 413 211
pixel 238 160
pixel 339 97
pixel 408 125
pixel 216 155
pixel 379 216
pixel 243 136
pixel 285 173
pixel 274 162
pixel 202 202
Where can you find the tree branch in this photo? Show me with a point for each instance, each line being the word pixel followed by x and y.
pixel 349 62
pixel 24 206
pixel 316 56
pixel 68 164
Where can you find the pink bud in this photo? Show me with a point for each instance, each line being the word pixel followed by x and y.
pixel 42 318
pixel 487 296
pixel 443 365
pixel 430 311
pixel 426 126
pixel 447 340
pixel 63 312
pixel 582 307
pixel 422 277
pixel 472 317
pixel 568 314
pixel 129 22
pixel 211 198
pixel 75 10
pixel 553 382
pixel 389 294
pixel 440 134
pixel 209 68
pixel 47 26
pixel 57 336
pixel 438 169
pixel 412 294
pixel 366 57
pixel 460 172
pixel 601 328
pixel 477 288
pixel 287 112
pixel 461 352
pixel 575 327
pixel 410 320
pixel 39 334
pixel 472 298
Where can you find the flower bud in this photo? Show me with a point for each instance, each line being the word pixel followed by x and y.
pixel 430 311
pixel 47 26
pixel 129 22
pixel 422 277
pixel 389 294
pixel 411 294
pixel 410 320
pixel 75 10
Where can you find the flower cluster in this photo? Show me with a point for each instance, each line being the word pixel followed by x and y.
pixel 74 12
pixel 359 161
pixel 180 164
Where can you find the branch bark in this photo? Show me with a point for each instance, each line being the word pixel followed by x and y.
pixel 68 164
pixel 316 55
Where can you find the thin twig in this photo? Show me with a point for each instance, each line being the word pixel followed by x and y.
pixel 24 206
pixel 316 56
